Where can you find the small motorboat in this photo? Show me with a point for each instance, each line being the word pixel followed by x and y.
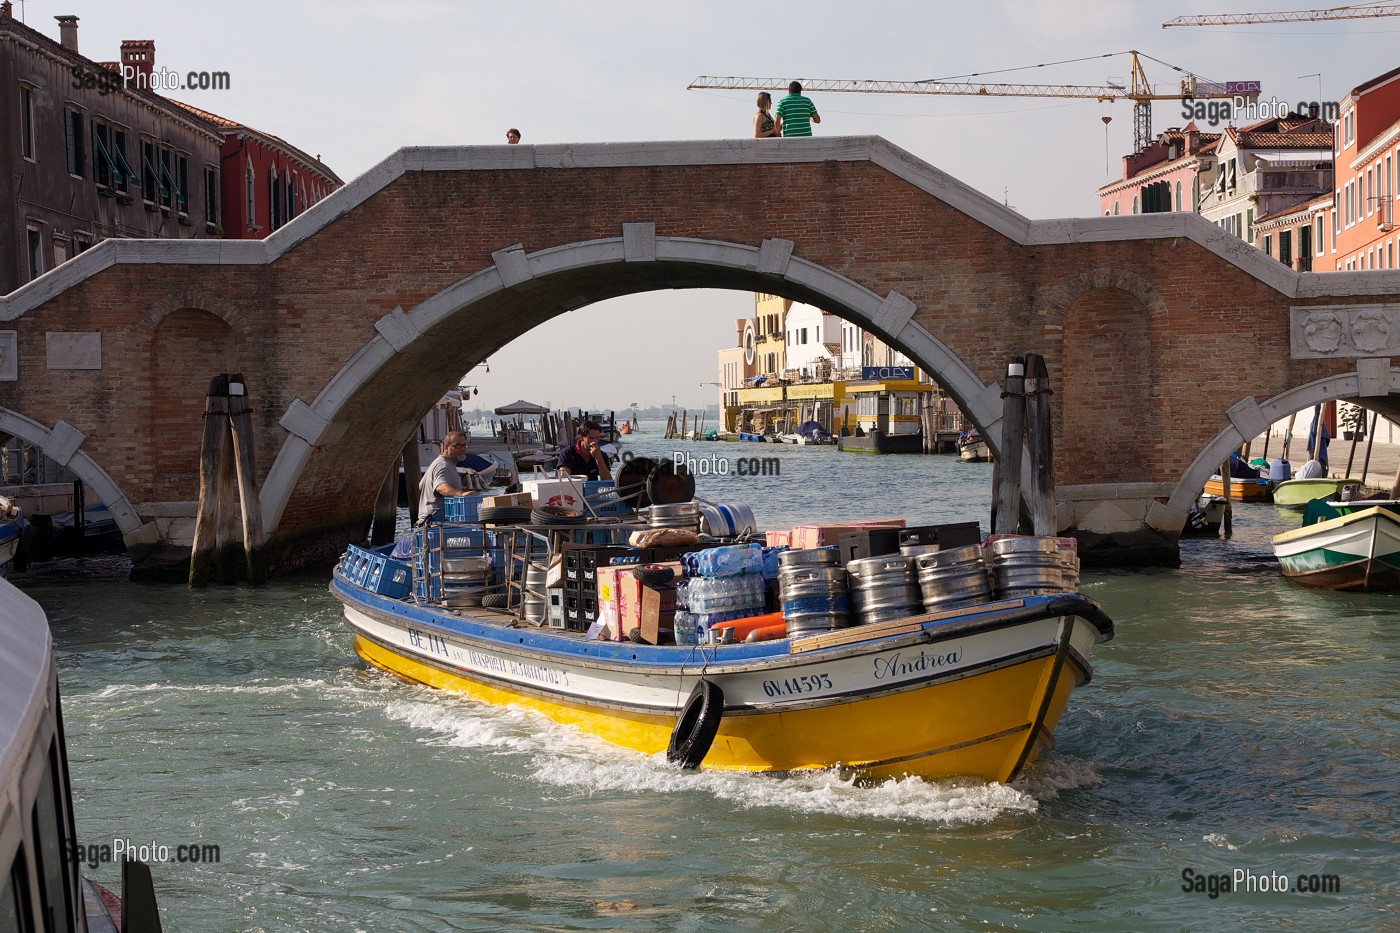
pixel 750 436
pixel 1206 516
pixel 1297 493
pixel 1242 489
pixel 973 449
pixel 1344 546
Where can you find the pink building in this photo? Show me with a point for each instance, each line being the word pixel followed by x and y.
pixel 1162 177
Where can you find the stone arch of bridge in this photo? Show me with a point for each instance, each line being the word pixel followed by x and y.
pixel 1249 419
pixel 62 443
pixel 528 289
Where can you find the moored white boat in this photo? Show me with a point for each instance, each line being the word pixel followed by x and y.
pixel 1344 546
pixel 971 692
pixel 11 533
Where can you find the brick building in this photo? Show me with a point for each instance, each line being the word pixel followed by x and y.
pixel 1357 229
pixel 89 157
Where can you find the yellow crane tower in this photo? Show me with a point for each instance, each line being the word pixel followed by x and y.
pixel 1360 11
pixel 1139 90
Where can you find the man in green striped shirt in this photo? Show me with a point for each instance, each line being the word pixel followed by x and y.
pixel 796 114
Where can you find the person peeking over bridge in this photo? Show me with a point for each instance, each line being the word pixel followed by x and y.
pixel 796 113
pixel 512 136
pixel 442 479
pixel 586 458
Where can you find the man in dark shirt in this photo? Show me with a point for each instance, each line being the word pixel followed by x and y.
pixel 585 458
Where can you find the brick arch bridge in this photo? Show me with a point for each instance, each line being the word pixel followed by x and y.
pixel 1168 341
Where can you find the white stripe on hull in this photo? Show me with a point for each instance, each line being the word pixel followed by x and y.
pixel 766 684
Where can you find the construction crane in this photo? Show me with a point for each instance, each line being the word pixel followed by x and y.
pixel 1139 91
pixel 1363 11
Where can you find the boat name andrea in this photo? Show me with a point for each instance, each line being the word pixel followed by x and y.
pixel 897 665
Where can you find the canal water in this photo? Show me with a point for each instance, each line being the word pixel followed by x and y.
pixel 1238 723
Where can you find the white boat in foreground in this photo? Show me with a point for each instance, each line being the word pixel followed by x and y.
pixel 1344 546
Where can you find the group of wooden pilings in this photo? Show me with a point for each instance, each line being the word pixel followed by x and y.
pixel 228 495
pixel 679 425
pixel 1025 423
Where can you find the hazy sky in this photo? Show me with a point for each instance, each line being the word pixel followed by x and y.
pixel 353 80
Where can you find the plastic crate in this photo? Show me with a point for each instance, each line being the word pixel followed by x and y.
pixel 388 577
pixel 354 566
pixel 461 508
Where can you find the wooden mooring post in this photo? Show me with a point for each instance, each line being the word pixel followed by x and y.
pixel 229 511
pixel 1039 438
pixel 1006 472
pixel 206 519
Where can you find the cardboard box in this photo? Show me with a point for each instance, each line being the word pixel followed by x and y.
pixel 513 500
pixel 781 538
pixel 658 613
pixel 567 491
pixel 620 598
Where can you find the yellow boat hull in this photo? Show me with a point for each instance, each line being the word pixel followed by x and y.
pixel 987 725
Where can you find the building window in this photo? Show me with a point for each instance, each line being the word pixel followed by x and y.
pixel 1285 247
pixel 1333 212
pixel 60 251
pixel 250 205
pixel 211 194
pixel 118 151
pixel 82 242
pixel 104 167
pixel 26 121
pixel 150 178
pixel 1351 203
pixel 168 190
pixel 73 127
pixel 1178 196
pixel 36 251
pixel 1115 208
pixel 274 190
pixel 1268 245
pixel 1249 225
pixel 181 182
pixel 1319 232
pixel 1135 204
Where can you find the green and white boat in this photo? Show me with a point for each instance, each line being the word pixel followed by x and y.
pixel 1297 493
pixel 1344 546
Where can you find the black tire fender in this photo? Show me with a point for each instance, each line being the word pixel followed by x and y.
pixel 697 726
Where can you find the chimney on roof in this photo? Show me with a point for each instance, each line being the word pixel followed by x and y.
pixel 138 61
pixel 7 11
pixel 67 32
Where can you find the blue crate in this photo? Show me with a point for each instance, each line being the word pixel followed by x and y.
pixel 461 508
pixel 449 538
pixel 354 566
pixel 388 577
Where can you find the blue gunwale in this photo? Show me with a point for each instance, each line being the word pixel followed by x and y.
pixel 627 654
